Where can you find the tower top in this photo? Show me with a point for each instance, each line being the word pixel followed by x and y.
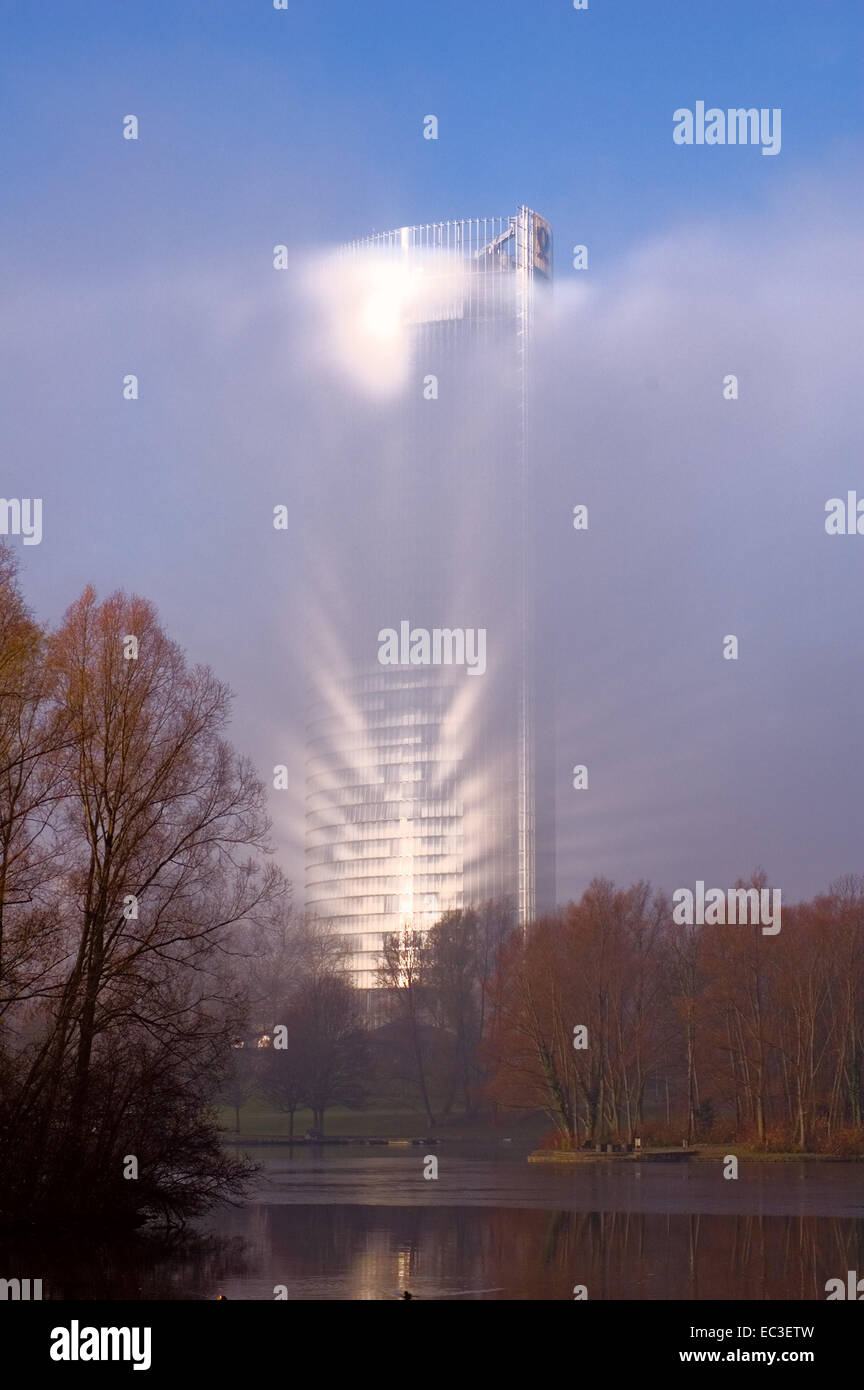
pixel 520 242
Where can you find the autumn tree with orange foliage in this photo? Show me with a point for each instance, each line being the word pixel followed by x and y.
pixel 591 965
pixel 758 1037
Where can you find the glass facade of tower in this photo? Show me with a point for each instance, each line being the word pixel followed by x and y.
pixel 426 786
pixel 384 810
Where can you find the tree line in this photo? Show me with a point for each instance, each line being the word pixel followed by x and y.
pixel 609 1017
pixel 754 1036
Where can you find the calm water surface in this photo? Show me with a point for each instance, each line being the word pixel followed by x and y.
pixel 363 1223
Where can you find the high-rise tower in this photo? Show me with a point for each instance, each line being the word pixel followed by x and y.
pixel 428 785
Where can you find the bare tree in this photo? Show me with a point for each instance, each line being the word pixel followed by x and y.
pixel 286 1069
pixel 161 834
pixel 401 974
pixel 33 738
pixel 239 1081
pixel 332 1045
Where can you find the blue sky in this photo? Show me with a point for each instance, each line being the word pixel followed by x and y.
pixel 304 125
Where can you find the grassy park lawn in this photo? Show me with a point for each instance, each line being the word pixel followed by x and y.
pixel 257 1119
pixel 261 1121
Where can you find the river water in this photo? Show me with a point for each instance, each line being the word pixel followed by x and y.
pixel 364 1223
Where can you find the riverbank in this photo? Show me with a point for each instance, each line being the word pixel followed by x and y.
pixel 335 1141
pixel 260 1124
pixel 706 1153
pixel 385 1126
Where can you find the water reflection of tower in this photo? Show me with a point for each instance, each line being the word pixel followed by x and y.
pixel 428 789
